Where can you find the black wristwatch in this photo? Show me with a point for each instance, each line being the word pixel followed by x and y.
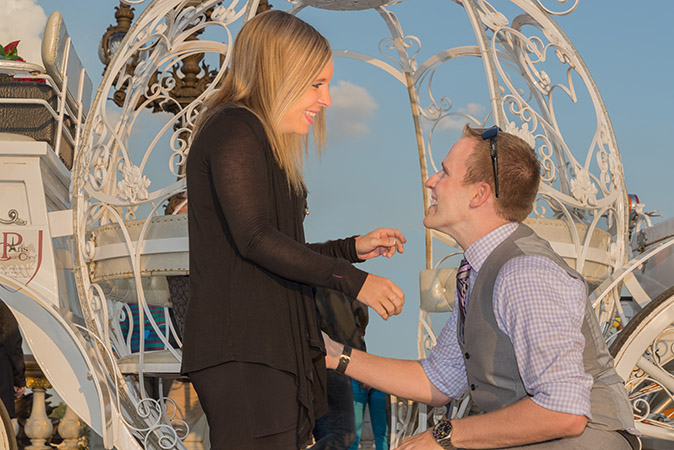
pixel 344 360
pixel 442 433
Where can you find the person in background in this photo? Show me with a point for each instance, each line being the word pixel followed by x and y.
pixel 251 337
pixel 12 365
pixel 377 402
pixel 523 338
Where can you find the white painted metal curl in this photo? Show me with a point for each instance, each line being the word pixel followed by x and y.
pixel 116 179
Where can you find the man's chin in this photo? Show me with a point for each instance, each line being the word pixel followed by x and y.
pixel 428 222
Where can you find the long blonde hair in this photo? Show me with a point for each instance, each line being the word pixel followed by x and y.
pixel 275 59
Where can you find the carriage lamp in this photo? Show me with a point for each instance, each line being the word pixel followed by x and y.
pixel 114 35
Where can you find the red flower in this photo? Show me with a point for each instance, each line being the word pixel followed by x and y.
pixel 11 46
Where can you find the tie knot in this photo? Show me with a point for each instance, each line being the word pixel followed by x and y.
pixel 463 272
pixel 464 266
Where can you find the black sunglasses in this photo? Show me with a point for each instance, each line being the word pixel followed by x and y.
pixel 492 135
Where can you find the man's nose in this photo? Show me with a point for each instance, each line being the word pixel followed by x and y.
pixel 431 181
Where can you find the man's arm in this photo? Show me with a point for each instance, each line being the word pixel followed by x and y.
pixel 403 378
pixel 521 423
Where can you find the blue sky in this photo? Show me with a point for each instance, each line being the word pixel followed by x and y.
pixel 369 175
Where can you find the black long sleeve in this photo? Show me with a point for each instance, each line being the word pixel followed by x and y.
pixel 236 155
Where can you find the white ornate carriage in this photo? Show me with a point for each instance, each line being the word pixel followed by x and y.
pixel 87 247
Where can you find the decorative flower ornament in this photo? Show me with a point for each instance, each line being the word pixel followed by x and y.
pixel 522 133
pixel 134 185
pixel 582 187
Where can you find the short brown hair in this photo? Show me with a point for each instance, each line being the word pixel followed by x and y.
pixel 519 172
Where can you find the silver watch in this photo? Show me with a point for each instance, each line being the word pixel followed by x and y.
pixel 442 433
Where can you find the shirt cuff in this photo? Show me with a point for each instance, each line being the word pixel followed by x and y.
pixel 567 398
pixel 434 374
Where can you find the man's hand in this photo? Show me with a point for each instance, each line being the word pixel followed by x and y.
pixel 333 351
pixel 421 441
pixel 19 391
pixel 380 242
pixel 382 295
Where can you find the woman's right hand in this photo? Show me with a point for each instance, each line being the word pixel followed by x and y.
pixel 382 295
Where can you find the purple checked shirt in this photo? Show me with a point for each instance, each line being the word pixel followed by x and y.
pixel 540 307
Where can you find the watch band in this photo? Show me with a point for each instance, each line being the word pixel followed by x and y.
pixel 344 360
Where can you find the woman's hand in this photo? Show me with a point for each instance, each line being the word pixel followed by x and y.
pixel 333 351
pixel 380 242
pixel 382 295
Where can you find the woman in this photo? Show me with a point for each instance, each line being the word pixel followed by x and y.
pixel 252 346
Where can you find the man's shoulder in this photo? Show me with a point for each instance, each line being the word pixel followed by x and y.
pixel 534 269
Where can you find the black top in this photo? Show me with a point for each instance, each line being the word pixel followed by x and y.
pixel 342 318
pixel 12 365
pixel 250 268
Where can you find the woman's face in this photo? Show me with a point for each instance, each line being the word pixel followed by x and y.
pixel 301 115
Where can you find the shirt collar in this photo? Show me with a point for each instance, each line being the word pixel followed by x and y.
pixel 477 253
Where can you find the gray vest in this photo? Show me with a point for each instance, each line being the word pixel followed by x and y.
pixel 491 366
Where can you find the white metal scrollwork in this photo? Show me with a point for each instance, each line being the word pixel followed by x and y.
pixel 120 184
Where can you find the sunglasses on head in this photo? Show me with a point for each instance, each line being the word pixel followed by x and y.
pixel 492 135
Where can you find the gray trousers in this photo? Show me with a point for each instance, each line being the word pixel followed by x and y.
pixel 591 439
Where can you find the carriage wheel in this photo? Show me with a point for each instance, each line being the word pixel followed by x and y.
pixel 644 358
pixel 7 438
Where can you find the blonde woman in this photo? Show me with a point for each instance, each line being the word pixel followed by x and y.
pixel 252 346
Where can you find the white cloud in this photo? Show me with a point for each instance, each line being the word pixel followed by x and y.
pixel 23 20
pixel 351 108
pixel 457 122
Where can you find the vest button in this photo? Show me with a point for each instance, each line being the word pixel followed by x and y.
pixel 472 387
pixel 467 355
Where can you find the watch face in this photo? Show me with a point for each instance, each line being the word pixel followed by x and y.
pixel 442 430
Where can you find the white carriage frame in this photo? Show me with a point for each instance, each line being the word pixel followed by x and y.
pixel 110 186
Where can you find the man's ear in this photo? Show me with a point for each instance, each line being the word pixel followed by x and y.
pixel 481 194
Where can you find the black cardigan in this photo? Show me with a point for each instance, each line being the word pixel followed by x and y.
pixel 250 269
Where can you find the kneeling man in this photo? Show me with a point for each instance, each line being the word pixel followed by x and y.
pixel 523 338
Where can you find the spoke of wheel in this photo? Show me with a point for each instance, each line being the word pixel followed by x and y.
pixel 657 373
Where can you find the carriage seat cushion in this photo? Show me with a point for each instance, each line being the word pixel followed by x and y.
pixel 33 120
pixel 158 362
pixel 165 252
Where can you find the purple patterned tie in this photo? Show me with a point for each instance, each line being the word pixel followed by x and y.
pixel 461 290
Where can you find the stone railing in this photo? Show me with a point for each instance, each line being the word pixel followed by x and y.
pixel 39 427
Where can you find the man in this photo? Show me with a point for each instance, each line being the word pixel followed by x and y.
pixel 522 338
pixel 12 365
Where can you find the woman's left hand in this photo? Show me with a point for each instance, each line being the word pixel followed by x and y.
pixel 380 242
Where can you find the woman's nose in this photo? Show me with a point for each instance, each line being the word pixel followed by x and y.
pixel 325 100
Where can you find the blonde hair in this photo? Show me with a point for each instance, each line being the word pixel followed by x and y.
pixel 519 172
pixel 275 59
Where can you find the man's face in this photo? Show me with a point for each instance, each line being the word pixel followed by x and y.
pixel 449 197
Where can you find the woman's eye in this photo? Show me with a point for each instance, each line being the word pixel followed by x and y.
pixel 317 85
